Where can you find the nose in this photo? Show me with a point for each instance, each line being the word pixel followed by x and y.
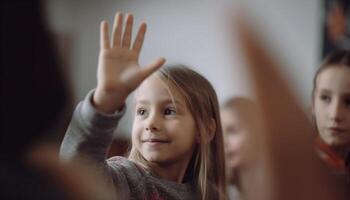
pixel 336 111
pixel 153 122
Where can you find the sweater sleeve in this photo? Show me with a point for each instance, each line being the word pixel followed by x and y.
pixel 89 133
pixel 88 138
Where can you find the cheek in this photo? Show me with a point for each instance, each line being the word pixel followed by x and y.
pixel 182 131
pixel 234 143
pixel 319 111
pixel 347 114
pixel 185 132
pixel 136 133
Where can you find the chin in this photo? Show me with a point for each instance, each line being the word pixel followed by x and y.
pixel 232 176
pixel 337 143
pixel 156 159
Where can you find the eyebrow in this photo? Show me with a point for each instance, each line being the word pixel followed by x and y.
pixel 323 90
pixel 163 102
pixel 347 93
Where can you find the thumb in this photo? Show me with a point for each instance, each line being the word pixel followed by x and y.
pixel 148 70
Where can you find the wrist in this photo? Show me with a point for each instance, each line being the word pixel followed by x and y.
pixel 108 102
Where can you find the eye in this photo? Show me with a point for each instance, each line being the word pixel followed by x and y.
pixel 169 111
pixel 141 111
pixel 347 102
pixel 325 98
pixel 232 130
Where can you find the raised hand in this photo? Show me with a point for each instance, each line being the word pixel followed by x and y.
pixel 119 72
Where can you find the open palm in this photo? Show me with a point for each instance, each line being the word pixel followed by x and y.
pixel 119 72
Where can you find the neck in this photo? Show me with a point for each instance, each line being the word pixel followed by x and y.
pixel 237 181
pixel 244 178
pixel 341 151
pixel 241 186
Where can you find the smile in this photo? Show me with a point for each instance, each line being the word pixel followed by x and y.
pixel 155 141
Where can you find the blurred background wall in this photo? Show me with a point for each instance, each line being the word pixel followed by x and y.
pixel 197 33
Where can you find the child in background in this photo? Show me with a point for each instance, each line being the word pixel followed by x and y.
pixel 237 118
pixel 331 109
pixel 177 145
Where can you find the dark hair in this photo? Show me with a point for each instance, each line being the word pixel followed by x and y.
pixel 33 91
pixel 337 58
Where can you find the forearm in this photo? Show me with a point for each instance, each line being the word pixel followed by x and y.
pixel 90 133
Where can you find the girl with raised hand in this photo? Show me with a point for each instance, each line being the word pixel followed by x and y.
pixel 177 145
pixel 331 109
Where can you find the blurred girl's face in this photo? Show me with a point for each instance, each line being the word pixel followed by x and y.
pixel 332 105
pixel 235 133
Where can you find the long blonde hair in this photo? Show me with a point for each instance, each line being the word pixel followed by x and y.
pixel 207 164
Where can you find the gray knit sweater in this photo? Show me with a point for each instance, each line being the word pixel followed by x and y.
pixel 89 135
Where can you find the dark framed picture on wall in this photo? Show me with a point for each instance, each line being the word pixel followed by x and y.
pixel 336 26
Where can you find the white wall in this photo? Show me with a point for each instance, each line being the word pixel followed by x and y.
pixel 196 33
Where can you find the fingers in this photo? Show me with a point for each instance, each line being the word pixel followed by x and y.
pixel 104 38
pixel 128 31
pixel 125 40
pixel 140 38
pixel 117 29
pixel 147 71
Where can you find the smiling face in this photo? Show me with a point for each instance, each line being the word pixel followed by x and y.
pixel 163 132
pixel 332 105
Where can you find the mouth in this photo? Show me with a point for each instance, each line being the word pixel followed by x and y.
pixel 156 141
pixel 336 130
